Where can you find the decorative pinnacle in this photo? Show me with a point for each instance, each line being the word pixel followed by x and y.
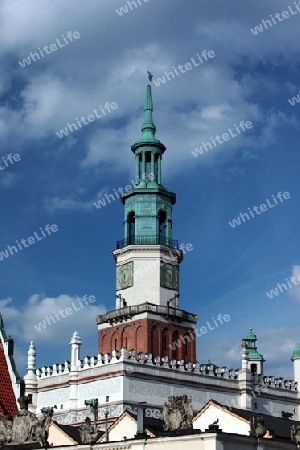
pixel 75 339
pixel 31 349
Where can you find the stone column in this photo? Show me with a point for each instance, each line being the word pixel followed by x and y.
pixel 152 168
pixel 143 174
pixel 159 170
pixel 137 169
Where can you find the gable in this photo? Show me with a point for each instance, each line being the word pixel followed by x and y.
pixel 57 436
pixel 228 422
pixel 125 425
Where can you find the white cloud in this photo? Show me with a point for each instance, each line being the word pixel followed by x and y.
pixel 295 291
pixel 24 323
pixel 73 202
pixel 8 179
pixel 275 344
pixel 67 204
pixel 58 94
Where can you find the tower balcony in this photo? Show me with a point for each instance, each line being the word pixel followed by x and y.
pixel 148 240
pixel 127 312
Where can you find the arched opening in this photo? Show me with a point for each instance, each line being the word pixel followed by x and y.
pixel 105 344
pixel 175 344
pixel 155 341
pixel 148 167
pixel 164 342
pixel 131 227
pixel 162 227
pixel 140 341
pixel 253 368
pixel 187 340
pixel 125 338
pixel 115 344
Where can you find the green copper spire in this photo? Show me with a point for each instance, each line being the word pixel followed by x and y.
pixel 251 345
pixel 148 127
pixel 148 206
pixel 148 150
pixel 296 352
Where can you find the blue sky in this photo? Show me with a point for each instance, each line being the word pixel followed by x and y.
pixel 57 180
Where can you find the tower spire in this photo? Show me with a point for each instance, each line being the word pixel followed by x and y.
pixel 148 127
pixel 148 149
pixel 147 261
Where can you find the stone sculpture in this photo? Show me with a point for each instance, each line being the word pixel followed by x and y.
pixel 178 413
pixel 257 428
pixel 295 434
pixel 25 427
pixel 88 433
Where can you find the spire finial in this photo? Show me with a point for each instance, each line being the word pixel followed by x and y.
pixel 150 76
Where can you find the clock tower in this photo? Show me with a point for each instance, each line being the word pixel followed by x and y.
pixel 147 317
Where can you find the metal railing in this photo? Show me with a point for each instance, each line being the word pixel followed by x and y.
pixel 148 240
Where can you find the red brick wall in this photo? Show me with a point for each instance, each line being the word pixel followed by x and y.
pixel 147 335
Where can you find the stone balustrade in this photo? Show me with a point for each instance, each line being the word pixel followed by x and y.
pixel 90 362
pixel 278 383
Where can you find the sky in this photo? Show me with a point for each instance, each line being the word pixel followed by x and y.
pixel 56 180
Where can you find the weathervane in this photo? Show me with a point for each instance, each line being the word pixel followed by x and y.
pixel 150 75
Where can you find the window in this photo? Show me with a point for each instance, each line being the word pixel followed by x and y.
pixel 131 227
pixel 162 224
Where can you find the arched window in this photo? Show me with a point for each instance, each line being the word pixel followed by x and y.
pixel 131 228
pixel 162 227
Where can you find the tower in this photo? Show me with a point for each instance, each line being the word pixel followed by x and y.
pixel 296 363
pixel 296 366
pixel 147 317
pixel 251 359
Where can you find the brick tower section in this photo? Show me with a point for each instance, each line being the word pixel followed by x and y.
pixel 150 336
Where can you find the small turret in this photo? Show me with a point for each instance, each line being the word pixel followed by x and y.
pixel 296 363
pixel 251 359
